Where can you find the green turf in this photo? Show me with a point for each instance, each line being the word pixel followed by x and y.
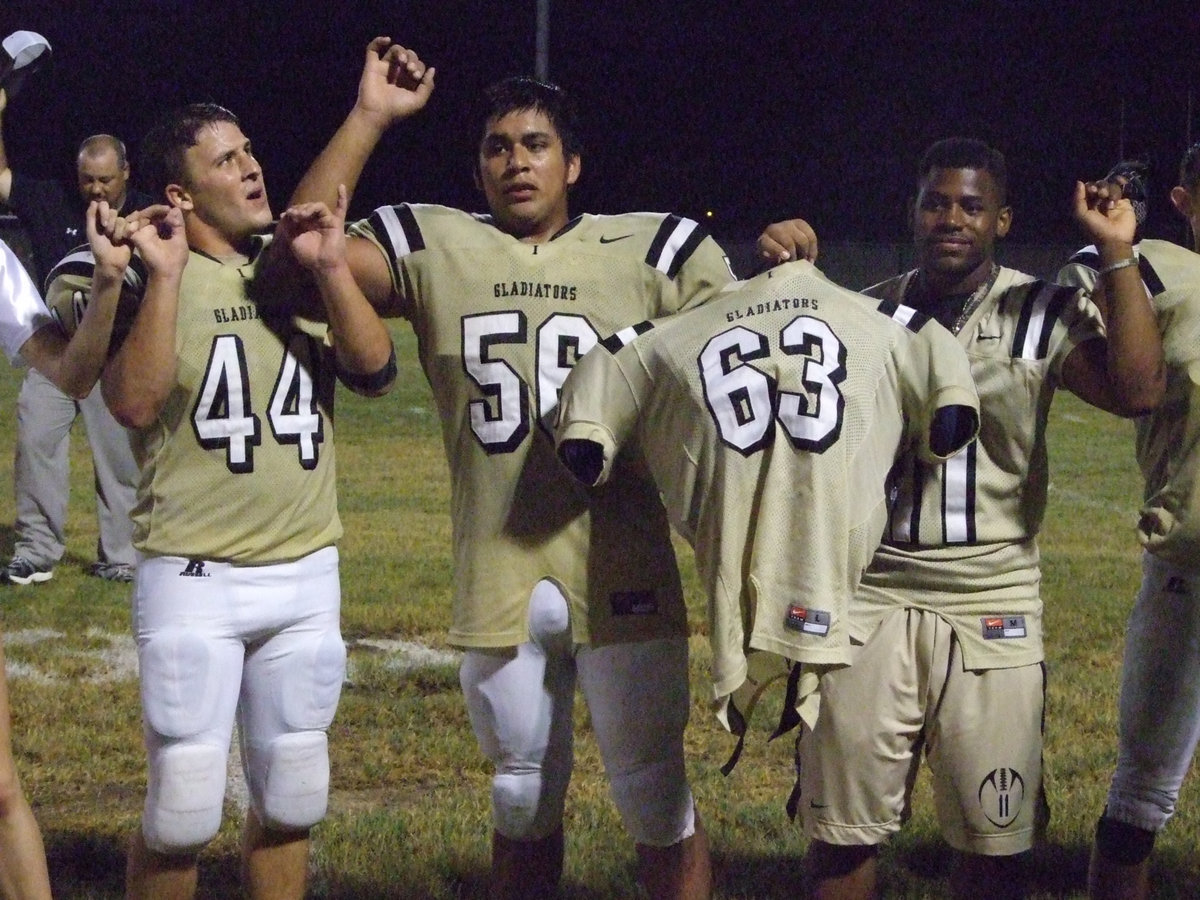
pixel 409 811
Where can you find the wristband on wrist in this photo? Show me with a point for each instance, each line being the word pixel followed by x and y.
pixel 1119 264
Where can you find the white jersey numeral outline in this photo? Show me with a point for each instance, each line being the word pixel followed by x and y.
pixel 294 414
pixel 501 419
pixel 813 419
pixel 562 340
pixel 223 418
pixel 745 402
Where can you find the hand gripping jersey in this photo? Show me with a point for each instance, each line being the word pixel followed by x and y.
pixel 961 540
pixel 1168 439
pixel 22 311
pixel 770 420
pixel 499 324
pixel 239 466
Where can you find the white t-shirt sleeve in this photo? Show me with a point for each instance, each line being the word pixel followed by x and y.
pixel 22 310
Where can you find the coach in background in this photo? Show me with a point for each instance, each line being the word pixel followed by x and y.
pixel 236 597
pixel 1159 709
pixel 30 335
pixel 949 611
pixel 551 585
pixel 53 217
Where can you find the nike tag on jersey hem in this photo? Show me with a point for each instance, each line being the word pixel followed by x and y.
pixel 807 620
pixel 1000 627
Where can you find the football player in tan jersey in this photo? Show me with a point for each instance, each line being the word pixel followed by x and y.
pixel 29 334
pixel 551 587
pixel 1159 724
pixel 236 595
pixel 950 602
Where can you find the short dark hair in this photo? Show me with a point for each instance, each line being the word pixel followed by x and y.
pixel 164 146
pixel 966 153
pixel 1189 167
pixel 521 92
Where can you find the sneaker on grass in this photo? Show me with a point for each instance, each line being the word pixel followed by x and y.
pixel 22 571
pixel 111 571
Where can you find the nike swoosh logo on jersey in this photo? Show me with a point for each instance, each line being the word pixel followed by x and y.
pixel 620 237
pixel 988 337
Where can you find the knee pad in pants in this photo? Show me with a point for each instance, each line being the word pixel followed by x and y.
pixel 289 780
pixel 523 807
pixel 655 802
pixel 183 804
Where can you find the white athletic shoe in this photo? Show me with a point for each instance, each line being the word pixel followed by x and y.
pixel 22 571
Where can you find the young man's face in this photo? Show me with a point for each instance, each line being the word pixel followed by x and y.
pixel 525 174
pixel 101 177
pixel 223 186
pixel 956 221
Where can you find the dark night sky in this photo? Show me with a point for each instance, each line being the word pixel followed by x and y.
pixel 755 110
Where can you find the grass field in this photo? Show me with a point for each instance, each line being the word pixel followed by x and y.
pixel 409 811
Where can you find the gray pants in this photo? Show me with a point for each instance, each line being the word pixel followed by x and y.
pixel 41 473
pixel 1160 696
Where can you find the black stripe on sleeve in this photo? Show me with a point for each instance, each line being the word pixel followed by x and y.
pixel 1086 257
pixel 1150 278
pixel 695 239
pixel 412 231
pixel 615 342
pixel 665 230
pixel 914 322
pixel 1060 296
pixel 888 308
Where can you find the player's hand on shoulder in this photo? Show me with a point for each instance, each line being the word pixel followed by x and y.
pixel 395 83
pixel 1104 212
pixel 316 234
pixel 785 241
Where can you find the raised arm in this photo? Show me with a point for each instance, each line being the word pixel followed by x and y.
pixel 139 378
pixel 6 175
pixel 1124 374
pixel 317 238
pixel 394 85
pixel 75 365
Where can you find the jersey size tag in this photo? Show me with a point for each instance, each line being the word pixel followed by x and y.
pixel 634 603
pixel 999 627
pixel 807 620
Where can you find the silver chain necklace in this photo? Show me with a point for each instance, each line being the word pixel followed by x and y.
pixel 975 299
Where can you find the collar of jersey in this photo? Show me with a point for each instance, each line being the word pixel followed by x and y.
pixel 257 242
pixel 492 221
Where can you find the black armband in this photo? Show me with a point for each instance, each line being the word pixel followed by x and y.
pixel 370 382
